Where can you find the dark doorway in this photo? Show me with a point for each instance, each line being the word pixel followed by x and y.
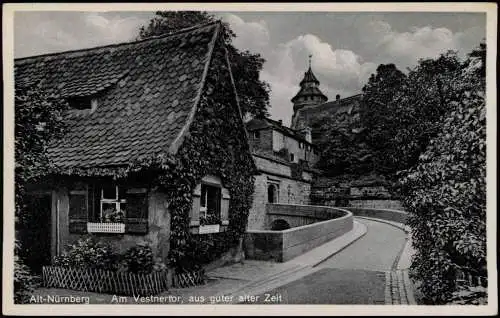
pixel 35 231
pixel 272 193
pixel 279 225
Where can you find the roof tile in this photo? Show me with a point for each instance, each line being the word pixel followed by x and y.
pixel 141 108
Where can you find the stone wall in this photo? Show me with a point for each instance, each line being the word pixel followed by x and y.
pixel 376 204
pixel 290 192
pixel 264 142
pixel 385 214
pixel 281 246
pixel 299 215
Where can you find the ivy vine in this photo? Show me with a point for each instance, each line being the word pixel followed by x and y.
pixel 214 145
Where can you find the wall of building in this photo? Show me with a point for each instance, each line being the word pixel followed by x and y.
pixel 271 141
pixel 264 142
pixel 291 191
pixel 158 235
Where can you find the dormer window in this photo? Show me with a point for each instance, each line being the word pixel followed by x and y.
pixel 82 103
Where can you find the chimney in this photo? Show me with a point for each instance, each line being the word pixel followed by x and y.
pixel 337 97
pixel 281 122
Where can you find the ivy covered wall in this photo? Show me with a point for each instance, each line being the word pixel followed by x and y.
pixel 215 144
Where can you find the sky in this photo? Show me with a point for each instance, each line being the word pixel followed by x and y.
pixel 346 47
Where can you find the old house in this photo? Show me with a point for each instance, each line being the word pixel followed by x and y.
pixel 155 151
pixel 285 160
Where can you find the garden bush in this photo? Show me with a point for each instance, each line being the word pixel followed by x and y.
pixel 139 259
pixel 89 253
pixel 24 281
pixel 445 193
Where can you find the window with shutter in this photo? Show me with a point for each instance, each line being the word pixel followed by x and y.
pixel 108 208
pixel 136 210
pixel 78 210
pixel 210 211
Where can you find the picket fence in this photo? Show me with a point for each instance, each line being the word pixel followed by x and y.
pixel 119 283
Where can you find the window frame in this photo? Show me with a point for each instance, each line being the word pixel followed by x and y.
pixel 195 224
pixel 117 201
pixel 94 220
pixel 204 199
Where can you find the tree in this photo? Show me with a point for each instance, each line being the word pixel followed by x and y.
pixel 403 112
pixel 383 116
pixel 38 120
pixel 344 148
pixel 253 93
pixel 445 193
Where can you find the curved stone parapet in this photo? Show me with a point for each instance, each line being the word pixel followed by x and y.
pixel 327 223
pixel 385 214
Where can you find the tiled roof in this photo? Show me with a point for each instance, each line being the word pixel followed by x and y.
pixel 309 77
pixel 146 91
pixel 263 123
pixel 309 91
pixel 344 105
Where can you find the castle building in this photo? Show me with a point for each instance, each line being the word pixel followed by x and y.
pixel 311 106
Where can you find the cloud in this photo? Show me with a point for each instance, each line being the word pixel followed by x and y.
pixel 346 49
pixel 339 71
pixel 114 28
pixel 406 48
pixel 252 36
pixel 48 32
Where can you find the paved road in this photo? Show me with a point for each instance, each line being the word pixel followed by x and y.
pixel 355 275
pixel 376 250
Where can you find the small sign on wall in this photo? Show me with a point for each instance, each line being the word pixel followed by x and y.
pixel 212 228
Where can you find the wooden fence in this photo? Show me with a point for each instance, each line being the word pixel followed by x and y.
pixel 103 281
pixel 188 279
pixel 119 283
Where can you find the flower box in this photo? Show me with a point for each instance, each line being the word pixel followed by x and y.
pixel 105 227
pixel 212 228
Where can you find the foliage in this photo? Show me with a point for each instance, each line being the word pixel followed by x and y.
pixel 214 145
pixel 38 120
pixel 253 93
pixel 24 281
pixel 470 296
pixel 89 253
pixel 401 113
pixel 113 216
pixel 344 147
pixel 140 259
pixel 210 218
pixel 445 193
